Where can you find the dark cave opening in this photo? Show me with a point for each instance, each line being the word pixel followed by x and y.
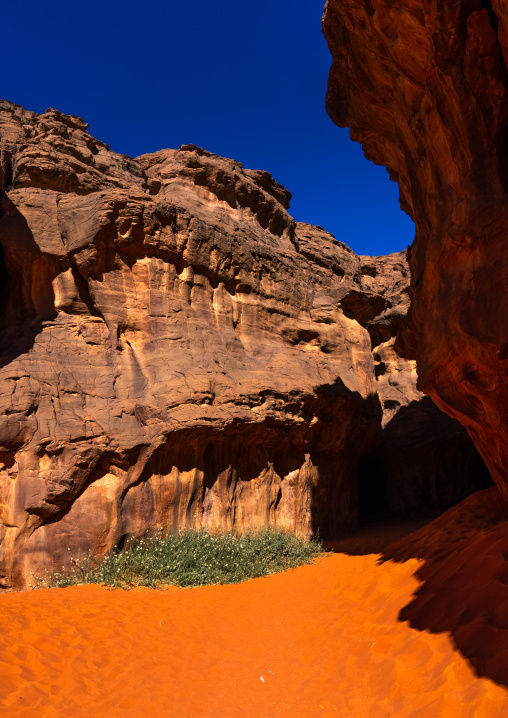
pixel 397 484
pixel 372 481
pixel 4 284
pixel 120 544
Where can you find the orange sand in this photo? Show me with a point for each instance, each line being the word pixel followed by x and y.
pixel 326 639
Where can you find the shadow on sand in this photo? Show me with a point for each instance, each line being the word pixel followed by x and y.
pixel 464 577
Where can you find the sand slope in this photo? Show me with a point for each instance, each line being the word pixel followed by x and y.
pixel 327 640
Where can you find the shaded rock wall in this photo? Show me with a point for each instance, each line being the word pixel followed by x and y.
pixel 423 87
pixel 422 461
pixel 176 350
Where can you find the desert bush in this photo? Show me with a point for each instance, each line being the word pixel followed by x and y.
pixel 190 558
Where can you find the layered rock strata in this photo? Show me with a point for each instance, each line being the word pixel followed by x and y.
pixel 176 350
pixel 423 87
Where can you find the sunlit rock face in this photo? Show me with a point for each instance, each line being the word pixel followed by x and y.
pixel 423 88
pixel 177 351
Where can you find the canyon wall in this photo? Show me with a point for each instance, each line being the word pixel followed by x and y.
pixel 423 87
pixel 176 350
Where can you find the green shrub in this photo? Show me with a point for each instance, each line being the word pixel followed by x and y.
pixel 191 558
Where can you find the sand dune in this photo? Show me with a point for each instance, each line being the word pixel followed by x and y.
pixel 348 636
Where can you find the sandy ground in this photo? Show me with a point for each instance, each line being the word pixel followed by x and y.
pixel 352 635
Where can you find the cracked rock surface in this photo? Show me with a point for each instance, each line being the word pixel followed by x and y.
pixel 176 350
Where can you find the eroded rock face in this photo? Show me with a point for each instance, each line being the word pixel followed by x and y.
pixel 177 351
pixel 423 88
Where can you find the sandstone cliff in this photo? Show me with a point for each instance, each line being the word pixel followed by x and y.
pixel 423 88
pixel 176 350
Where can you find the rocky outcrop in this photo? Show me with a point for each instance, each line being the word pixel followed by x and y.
pixel 423 88
pixel 176 350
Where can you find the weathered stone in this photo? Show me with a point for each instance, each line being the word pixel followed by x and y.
pixel 423 87
pixel 177 351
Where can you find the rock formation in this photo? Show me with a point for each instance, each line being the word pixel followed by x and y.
pixel 175 350
pixel 423 88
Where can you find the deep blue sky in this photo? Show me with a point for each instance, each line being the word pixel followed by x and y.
pixel 243 79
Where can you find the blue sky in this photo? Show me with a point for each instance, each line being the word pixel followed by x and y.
pixel 242 79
